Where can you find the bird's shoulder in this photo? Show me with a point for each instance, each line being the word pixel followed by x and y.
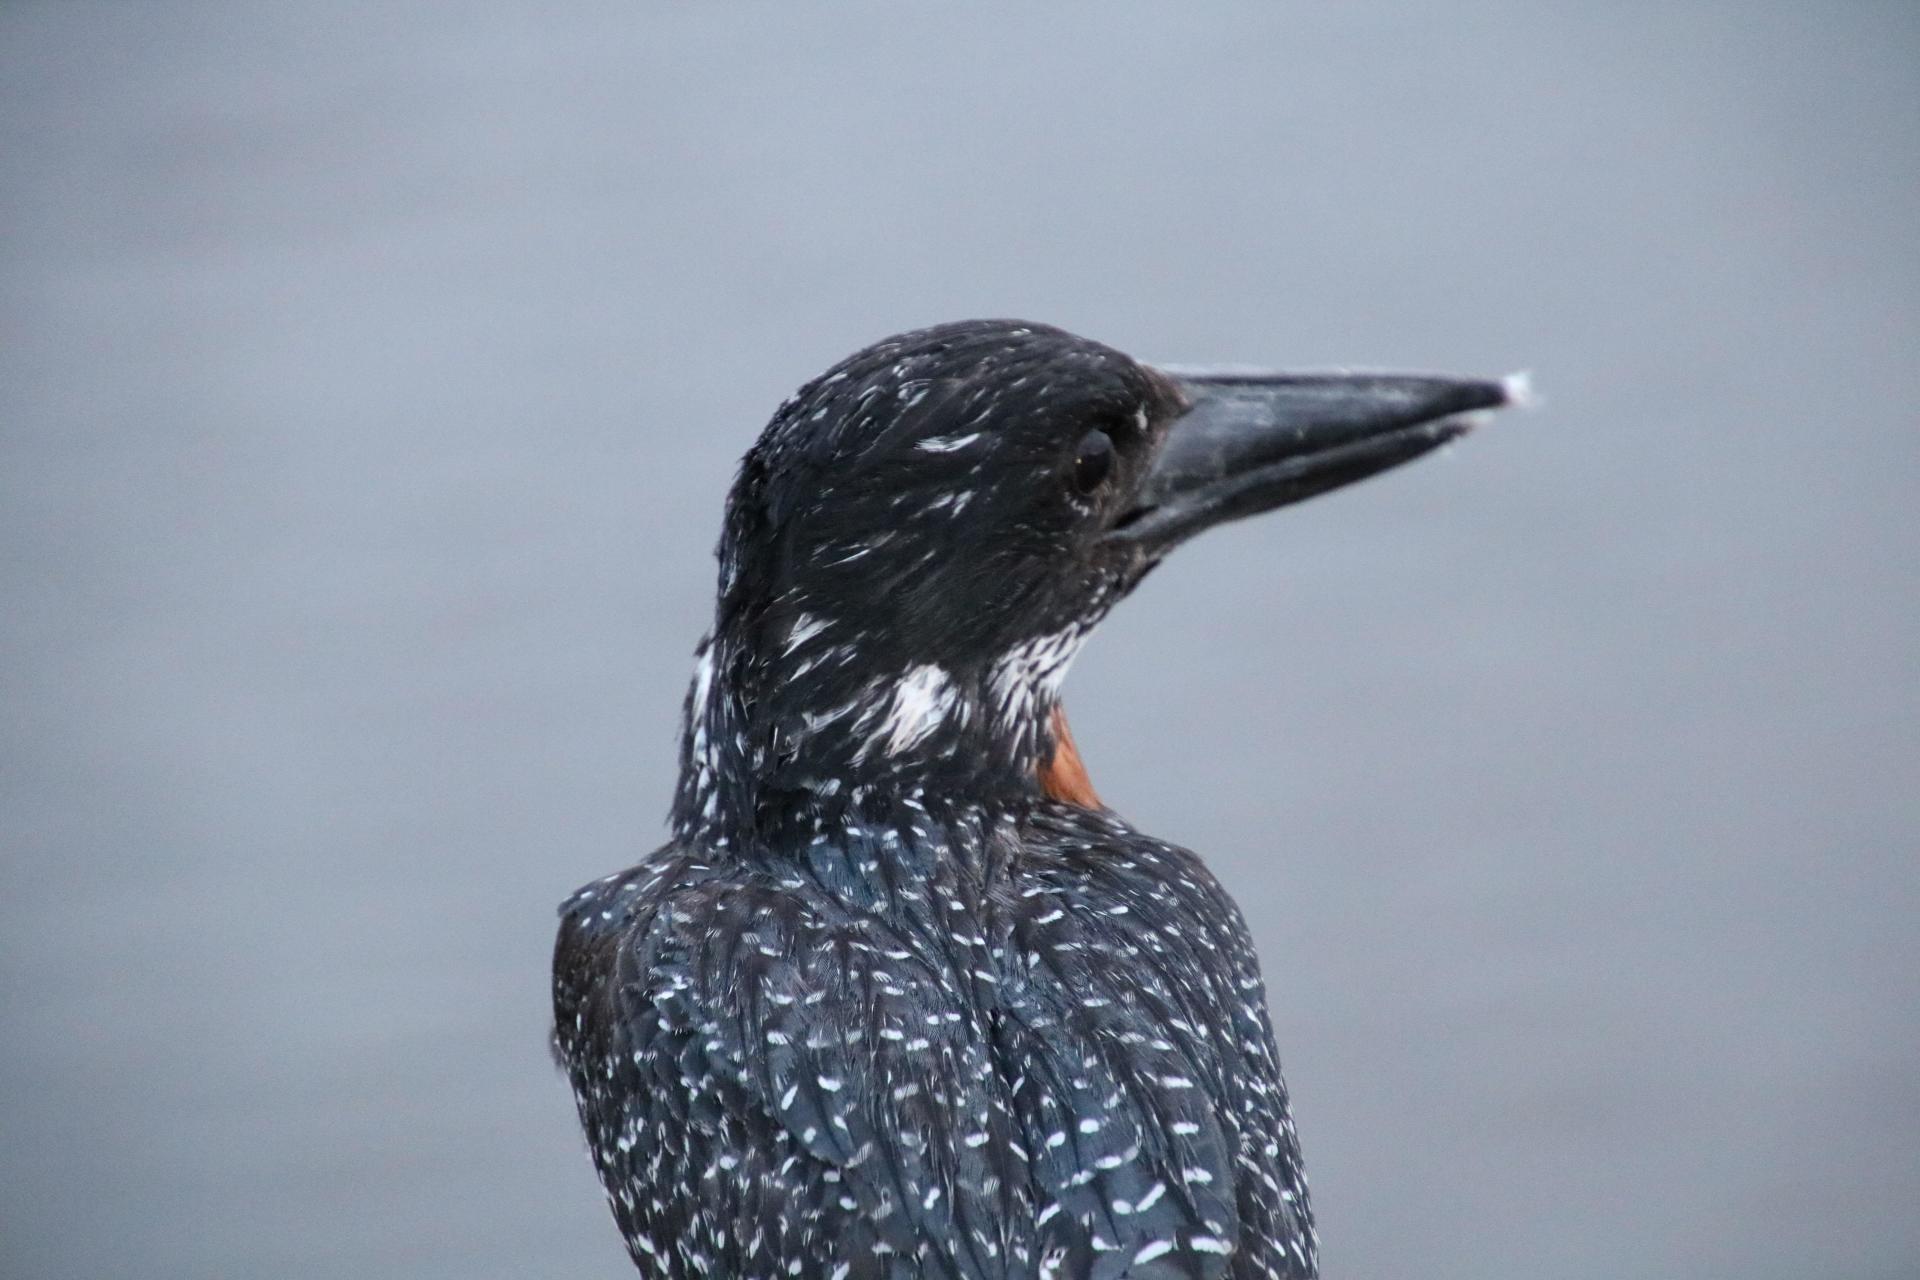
pixel 800 1042
pixel 1135 949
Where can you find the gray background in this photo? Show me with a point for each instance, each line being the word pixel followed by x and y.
pixel 369 386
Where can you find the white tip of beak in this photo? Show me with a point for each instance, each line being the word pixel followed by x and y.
pixel 1519 389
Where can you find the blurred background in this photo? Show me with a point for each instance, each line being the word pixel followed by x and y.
pixel 371 377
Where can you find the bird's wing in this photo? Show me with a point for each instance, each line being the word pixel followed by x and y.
pixel 1116 1106
pixel 775 1081
pixel 1169 996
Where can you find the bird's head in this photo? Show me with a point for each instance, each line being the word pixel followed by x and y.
pixel 923 536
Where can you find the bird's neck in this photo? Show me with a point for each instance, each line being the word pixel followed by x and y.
pixel 783 742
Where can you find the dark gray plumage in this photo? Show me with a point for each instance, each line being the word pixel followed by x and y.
pixel 900 998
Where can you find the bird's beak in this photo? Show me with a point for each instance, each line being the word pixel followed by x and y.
pixel 1250 442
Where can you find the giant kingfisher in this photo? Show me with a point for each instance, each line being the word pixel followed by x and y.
pixel 902 997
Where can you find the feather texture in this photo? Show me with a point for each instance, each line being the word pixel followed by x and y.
pixel 1049 1055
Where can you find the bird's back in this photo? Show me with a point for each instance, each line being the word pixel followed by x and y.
pixel 944 1043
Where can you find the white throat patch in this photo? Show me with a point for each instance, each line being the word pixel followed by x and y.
pixel 1031 672
pixel 921 701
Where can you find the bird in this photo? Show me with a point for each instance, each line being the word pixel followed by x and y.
pixel 901 996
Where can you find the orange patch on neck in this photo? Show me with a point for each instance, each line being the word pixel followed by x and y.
pixel 1063 776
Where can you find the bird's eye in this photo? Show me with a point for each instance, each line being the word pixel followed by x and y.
pixel 1092 461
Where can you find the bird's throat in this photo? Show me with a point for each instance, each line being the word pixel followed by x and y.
pixel 1063 775
pixel 769 747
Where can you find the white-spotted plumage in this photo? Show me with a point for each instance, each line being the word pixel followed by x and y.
pixel 882 1008
pixel 891 1089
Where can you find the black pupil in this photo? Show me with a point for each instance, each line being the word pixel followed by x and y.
pixel 1092 462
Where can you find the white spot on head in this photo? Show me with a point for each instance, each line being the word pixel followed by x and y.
pixel 702 745
pixel 702 684
pixel 805 627
pixel 811 721
pixel 921 700
pixel 947 444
